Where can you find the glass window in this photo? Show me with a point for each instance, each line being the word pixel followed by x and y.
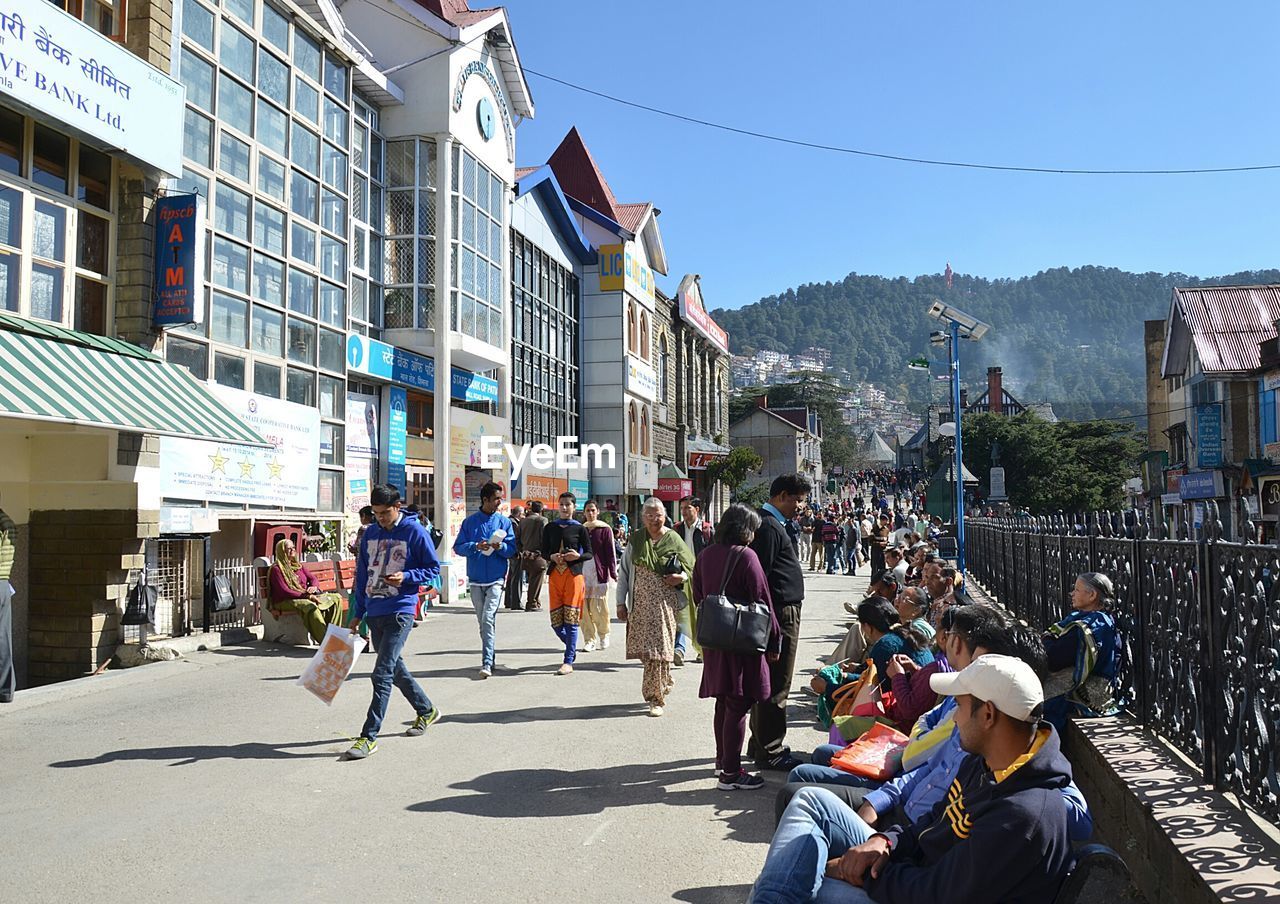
pixel 197 76
pixel 51 157
pixel 228 370
pixel 359 298
pixel 332 304
pixel 306 149
pixel 230 265
pixel 241 9
pixel 235 105
pixel 12 130
pixel 329 491
pixel 197 24
pixel 304 196
pixel 191 181
pixel 335 77
pixel 333 212
pixel 9 281
pixel 270 176
pixel 10 216
pixel 332 397
pixel 275 27
pixel 267 335
pixel 306 54
pixel 330 444
pixel 302 293
pixel 49 231
pixel 302 243
pixel 268 279
pixel 91 242
pixel 91 306
pixel 335 168
pixel 46 292
pixel 333 259
pixel 233 157
pixel 335 122
pixel 273 77
pixel 231 212
pixel 268 229
pixel 273 128
pixel 229 320
pixel 333 350
pixel 301 387
pixel 306 100
pixel 197 138
pixel 194 356
pixel 266 379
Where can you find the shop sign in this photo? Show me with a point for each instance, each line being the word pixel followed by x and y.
pixel 1209 436
pixel 179 292
pixel 284 475
pixel 1272 451
pixel 1170 499
pixel 398 365
pixel 622 270
pixel 673 489
pixel 55 63
pixel 642 475
pixel 1171 479
pixel 642 380
pixel 397 436
pixel 581 489
pixel 545 489
pixel 1200 485
pixel 694 313
pixel 1269 496
pixel 182 519
pixel 698 461
pixel 362 449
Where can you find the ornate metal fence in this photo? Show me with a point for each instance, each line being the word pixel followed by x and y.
pixel 1199 618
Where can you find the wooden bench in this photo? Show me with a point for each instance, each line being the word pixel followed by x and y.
pixel 284 626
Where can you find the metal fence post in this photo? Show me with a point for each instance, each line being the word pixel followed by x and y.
pixel 1209 554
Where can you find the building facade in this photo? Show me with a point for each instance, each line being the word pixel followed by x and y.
pixel 789 440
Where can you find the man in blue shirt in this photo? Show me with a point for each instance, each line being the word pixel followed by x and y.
pixel 487 541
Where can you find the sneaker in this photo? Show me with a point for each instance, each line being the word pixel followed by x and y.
pixel 782 762
pixel 655 710
pixel 421 723
pixel 589 646
pixel 743 781
pixel 362 748
pixel 677 661
pixel 565 669
pixel 604 642
pixel 485 673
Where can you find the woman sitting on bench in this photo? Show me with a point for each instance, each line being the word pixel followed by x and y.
pixel 293 589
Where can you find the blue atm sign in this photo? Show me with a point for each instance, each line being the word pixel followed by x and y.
pixel 179 261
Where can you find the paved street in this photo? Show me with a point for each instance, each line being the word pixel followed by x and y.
pixel 216 778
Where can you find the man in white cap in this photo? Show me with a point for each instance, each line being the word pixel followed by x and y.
pixel 1000 834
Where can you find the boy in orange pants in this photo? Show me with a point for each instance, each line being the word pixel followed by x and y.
pixel 566 546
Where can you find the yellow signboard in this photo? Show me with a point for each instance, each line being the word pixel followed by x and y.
pixel 622 269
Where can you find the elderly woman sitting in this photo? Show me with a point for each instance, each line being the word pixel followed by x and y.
pixel 1084 651
pixel 292 588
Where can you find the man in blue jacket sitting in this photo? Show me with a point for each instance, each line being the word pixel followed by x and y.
pixel 394 559
pixel 487 541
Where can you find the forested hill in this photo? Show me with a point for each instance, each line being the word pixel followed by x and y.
pixel 1069 337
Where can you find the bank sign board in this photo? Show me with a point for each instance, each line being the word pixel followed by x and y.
pixel 398 365
pixel 1200 485
pixel 54 63
pixel 1209 436
pixel 622 270
pixel 179 293
pixel 694 313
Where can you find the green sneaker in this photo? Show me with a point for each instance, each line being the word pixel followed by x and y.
pixel 362 748
pixel 420 724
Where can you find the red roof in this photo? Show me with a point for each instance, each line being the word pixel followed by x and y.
pixel 631 215
pixel 522 171
pixel 1228 322
pixel 580 178
pixel 456 12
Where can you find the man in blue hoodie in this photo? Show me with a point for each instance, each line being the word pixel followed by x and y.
pixel 999 835
pixel 487 541
pixel 395 558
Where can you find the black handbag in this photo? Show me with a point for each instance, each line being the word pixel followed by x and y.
pixel 217 590
pixel 140 609
pixel 673 565
pixel 728 625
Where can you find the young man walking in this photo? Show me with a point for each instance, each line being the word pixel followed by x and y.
pixel 486 539
pixel 567 546
pixel 531 560
pixel 394 560
pixel 696 534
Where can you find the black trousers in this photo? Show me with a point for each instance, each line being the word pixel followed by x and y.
pixel 769 717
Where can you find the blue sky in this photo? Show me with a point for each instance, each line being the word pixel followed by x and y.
pixel 1094 85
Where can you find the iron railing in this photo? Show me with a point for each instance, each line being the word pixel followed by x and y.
pixel 1199 618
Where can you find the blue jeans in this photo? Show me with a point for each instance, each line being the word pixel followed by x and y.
pixel 834 557
pixel 389 634
pixel 851 555
pixel 683 627
pixel 486 600
pixel 816 827
pixel 819 771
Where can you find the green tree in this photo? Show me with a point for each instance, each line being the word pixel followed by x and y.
pixel 734 470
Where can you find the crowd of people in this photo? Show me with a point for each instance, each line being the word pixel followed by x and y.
pixel 980 698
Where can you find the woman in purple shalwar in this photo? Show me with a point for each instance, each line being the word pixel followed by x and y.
pixel 736 680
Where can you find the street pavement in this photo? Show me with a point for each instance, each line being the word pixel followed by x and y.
pixel 216 778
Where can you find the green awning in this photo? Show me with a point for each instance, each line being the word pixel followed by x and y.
pixel 48 373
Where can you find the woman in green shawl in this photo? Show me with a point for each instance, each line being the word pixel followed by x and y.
pixel 654 584
pixel 294 589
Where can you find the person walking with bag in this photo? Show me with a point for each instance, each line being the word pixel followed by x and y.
pixel 567 547
pixel 486 539
pixel 654 584
pixel 736 680
pixel 597 576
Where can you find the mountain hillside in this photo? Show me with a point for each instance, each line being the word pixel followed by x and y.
pixel 1069 337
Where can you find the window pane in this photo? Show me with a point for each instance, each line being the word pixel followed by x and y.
pixel 400 163
pixel 233 157
pixel 230 265
pixel 335 78
pixel 9 281
pixel 333 212
pixel 266 379
pixel 329 491
pixel 306 54
pixel 197 24
pixel 330 444
pixel 231 212
pixel 273 128
pixel 333 259
pixel 229 320
pixel 302 243
pixel 335 168
pixel 197 76
pixel 192 182
pixel 268 331
pixel 46 292
pixel 235 105
pixel 306 149
pixel 359 299
pixel 91 307
pixel 228 370
pixel 275 27
pixel 197 138
pixel 335 122
pixel 332 397
pixel 332 304
pixel 236 52
pixel 270 176
pixel 304 196
pixel 91 244
pixel 301 387
pixel 302 293
pixel 10 216
pixel 268 229
pixel 306 100
pixel 332 350
pixel 12 129
pixel 49 232
pixel 273 77
pixel 241 9
pixel 268 279
pixel 194 356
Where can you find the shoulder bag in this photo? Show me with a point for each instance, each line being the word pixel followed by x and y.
pixel 217 591
pixel 732 626
pixel 141 606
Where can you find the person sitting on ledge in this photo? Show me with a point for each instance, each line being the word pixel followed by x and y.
pixel 1084 652
pixel 294 589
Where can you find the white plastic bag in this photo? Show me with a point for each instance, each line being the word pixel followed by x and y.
pixel 332 663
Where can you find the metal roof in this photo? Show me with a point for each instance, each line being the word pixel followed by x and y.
pixel 1226 324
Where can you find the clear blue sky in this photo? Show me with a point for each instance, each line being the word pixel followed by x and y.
pixel 1144 84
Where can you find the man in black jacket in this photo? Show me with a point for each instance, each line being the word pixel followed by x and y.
pixel 781 566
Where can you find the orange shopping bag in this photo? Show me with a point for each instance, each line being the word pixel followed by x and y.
pixel 332 663
pixel 876 755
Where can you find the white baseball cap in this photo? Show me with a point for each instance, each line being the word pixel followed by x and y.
pixel 1005 681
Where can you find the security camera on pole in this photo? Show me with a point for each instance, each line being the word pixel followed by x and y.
pixel 963 326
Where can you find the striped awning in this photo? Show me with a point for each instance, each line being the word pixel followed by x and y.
pixel 48 373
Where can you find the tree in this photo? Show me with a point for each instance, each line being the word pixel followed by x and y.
pixel 733 471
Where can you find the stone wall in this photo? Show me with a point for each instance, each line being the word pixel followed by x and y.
pixel 78 569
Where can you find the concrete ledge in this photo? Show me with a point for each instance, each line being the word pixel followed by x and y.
pixel 1184 842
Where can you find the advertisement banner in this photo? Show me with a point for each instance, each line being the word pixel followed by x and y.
pixel 286 475
pixel 466 430
pixel 362 449
pixel 1200 485
pixel 179 274
pixel 673 489
pixel 543 488
pixel 642 380
pixel 694 313
pixel 621 269
pixel 397 435
pixel 398 365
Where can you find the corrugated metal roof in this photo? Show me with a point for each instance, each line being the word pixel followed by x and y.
pixel 630 216
pixel 1228 322
pixel 579 176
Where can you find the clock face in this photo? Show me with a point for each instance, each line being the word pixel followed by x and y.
pixel 484 118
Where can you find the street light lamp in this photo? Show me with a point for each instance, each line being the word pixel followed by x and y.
pixel 969 327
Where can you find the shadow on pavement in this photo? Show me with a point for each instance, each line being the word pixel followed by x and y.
pixel 530 793
pixel 265 650
pixel 551 714
pixel 186 756
pixel 715 894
